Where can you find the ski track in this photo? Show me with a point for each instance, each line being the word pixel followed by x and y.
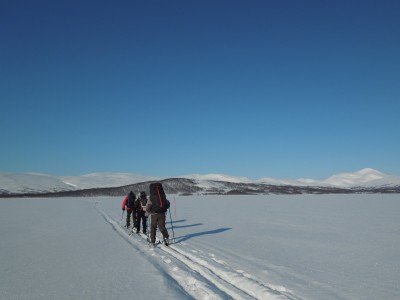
pixel 201 275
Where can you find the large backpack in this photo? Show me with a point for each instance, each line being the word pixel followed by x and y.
pixel 131 200
pixel 159 202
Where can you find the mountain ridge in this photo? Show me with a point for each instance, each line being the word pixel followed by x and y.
pixel 366 180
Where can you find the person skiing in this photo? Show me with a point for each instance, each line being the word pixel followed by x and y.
pixel 140 207
pixel 129 204
pixel 157 206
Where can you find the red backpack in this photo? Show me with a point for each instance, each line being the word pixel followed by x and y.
pixel 159 201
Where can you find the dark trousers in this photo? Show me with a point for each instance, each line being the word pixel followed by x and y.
pixel 141 217
pixel 158 220
pixel 129 212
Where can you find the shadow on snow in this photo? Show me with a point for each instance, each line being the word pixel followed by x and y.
pixel 192 235
pixel 185 226
pixel 176 221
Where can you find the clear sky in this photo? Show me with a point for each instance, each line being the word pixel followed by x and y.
pixel 283 89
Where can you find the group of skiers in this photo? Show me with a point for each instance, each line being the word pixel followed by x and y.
pixel 140 208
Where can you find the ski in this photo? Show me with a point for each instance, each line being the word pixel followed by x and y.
pixel 159 241
pixel 166 242
pixel 133 231
pixel 145 237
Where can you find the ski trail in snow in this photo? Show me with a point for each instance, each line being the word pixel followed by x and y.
pixel 186 279
pixel 203 272
pixel 229 280
pixel 201 276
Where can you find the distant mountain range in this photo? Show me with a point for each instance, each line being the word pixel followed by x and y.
pixel 117 184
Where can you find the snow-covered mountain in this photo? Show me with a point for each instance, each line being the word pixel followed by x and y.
pixel 100 180
pixel 33 183
pixel 366 177
pixel 20 183
pixel 11 183
pixel 363 178
pixel 218 177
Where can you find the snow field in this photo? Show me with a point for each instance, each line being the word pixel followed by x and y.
pixel 227 247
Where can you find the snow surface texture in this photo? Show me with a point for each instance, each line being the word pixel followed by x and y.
pixel 227 247
pixel 30 182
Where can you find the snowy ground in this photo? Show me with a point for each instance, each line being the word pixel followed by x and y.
pixel 227 247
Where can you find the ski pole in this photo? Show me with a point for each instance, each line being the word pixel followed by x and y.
pixel 172 226
pixel 122 217
pixel 148 229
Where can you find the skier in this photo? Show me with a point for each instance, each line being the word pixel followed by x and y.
pixel 157 206
pixel 129 204
pixel 140 207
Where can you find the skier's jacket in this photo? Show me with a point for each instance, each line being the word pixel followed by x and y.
pixel 129 202
pixel 158 202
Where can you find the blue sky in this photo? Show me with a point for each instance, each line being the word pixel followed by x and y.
pixel 283 89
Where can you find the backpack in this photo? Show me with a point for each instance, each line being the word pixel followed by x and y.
pixel 143 201
pixel 159 201
pixel 131 200
pixel 140 204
